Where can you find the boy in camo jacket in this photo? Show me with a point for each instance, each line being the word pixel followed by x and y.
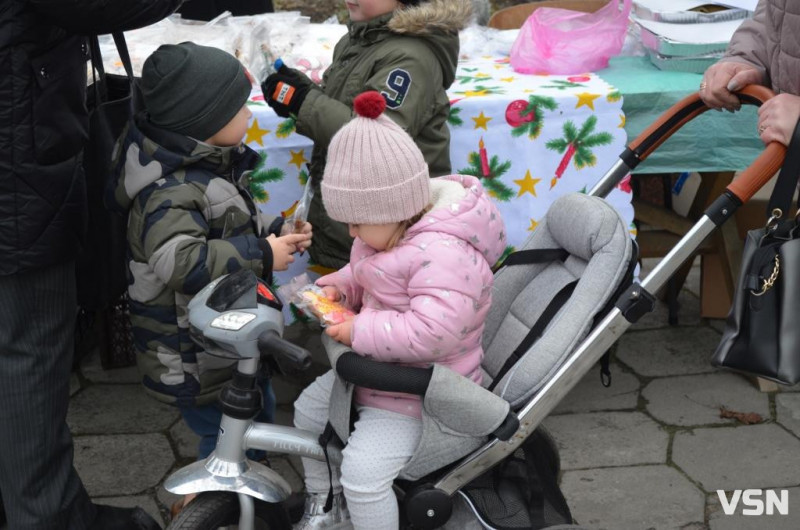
pixel 182 178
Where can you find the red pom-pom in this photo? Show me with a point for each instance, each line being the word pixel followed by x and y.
pixel 369 104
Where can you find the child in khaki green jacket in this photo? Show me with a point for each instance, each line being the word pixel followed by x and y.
pixel 405 49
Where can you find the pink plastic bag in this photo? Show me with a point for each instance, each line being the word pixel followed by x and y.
pixel 561 41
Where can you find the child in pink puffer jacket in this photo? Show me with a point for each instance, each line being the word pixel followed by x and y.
pixel 420 280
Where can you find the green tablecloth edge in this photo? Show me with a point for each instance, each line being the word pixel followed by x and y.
pixel 715 141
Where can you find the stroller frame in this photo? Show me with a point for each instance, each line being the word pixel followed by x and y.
pixel 638 299
pixel 228 470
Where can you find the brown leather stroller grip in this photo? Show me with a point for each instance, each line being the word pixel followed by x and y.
pixel 759 172
pixel 682 112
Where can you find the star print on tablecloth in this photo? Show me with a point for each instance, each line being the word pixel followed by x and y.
pixel 481 121
pixel 255 134
pixel 527 184
pixel 533 225
pixel 586 98
pixel 298 158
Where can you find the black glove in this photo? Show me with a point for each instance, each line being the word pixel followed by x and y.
pixel 285 90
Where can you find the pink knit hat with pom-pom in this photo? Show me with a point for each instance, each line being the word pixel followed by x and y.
pixel 375 173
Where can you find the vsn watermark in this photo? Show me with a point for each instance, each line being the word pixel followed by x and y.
pixel 755 502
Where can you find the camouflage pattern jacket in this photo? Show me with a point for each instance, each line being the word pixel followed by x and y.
pixel 191 219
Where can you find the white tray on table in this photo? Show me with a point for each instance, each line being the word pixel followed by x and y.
pixel 683 11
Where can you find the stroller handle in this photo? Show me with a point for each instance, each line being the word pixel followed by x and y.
pixel 683 112
pixel 750 180
pixel 759 172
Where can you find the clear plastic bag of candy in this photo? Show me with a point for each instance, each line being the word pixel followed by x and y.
pixel 312 301
pixel 295 222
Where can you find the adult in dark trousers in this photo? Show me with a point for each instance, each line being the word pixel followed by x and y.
pixel 43 127
pixel 208 9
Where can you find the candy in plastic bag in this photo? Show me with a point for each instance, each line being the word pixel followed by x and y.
pixel 312 301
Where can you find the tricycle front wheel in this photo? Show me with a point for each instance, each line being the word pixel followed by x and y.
pixel 217 510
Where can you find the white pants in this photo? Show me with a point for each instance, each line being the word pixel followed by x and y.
pixel 381 444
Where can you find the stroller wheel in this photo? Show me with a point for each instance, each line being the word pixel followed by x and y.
pixel 216 510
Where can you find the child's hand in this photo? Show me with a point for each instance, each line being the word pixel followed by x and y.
pixel 283 247
pixel 307 231
pixel 341 332
pixel 285 91
pixel 777 118
pixel 333 293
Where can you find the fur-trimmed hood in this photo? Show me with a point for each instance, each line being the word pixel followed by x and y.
pixel 437 23
pixel 432 16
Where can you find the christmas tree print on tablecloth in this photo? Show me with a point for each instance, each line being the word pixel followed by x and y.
pixel 260 176
pixel 506 253
pixel 571 82
pixel 480 90
pixel 528 116
pixel 453 119
pixel 464 79
pixel 489 172
pixel 578 145
pixel 286 127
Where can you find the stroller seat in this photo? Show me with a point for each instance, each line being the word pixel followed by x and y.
pixel 573 267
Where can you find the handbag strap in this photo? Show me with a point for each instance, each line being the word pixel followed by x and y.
pixel 122 48
pixel 789 177
pixel 100 87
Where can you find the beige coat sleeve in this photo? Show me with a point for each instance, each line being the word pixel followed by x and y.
pixel 749 43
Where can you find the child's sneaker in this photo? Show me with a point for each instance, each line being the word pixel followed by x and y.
pixel 315 518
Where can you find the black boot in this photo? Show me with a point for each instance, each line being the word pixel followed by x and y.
pixel 113 518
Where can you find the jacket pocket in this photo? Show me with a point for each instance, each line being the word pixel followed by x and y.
pixel 60 118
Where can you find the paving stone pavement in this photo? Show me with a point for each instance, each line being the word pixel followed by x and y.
pixel 647 453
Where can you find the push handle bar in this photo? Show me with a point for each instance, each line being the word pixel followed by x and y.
pixel 387 377
pixel 750 180
pixel 270 343
pixel 683 112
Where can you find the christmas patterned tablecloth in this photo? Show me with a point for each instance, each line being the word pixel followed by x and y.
pixel 529 138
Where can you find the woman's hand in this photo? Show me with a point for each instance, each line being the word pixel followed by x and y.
pixel 722 79
pixel 341 332
pixel 777 118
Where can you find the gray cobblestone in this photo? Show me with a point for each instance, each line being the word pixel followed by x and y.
pixel 751 456
pixel 590 394
pixel 601 439
pixel 672 351
pixel 119 464
pixel 787 407
pixel 118 409
pixel 633 498
pixel 697 399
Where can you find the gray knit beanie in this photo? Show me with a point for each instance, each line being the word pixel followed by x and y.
pixel 193 90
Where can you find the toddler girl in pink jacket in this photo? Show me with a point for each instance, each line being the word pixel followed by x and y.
pixel 420 281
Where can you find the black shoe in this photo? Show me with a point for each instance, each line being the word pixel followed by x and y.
pixel 113 518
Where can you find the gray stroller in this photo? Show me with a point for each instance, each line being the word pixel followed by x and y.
pixel 483 461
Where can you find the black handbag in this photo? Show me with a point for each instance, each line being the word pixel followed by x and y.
pixel 112 101
pixel 762 333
